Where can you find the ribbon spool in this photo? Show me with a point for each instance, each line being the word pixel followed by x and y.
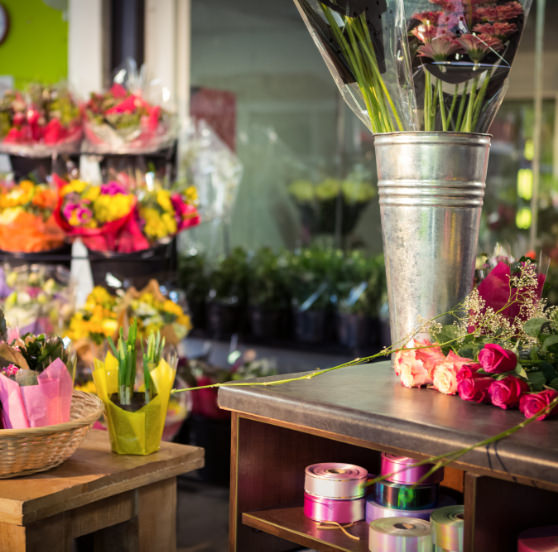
pixel 335 480
pixel 406 497
pixel 328 509
pixel 447 527
pixel 398 466
pixel 376 511
pixel 538 539
pixel 399 534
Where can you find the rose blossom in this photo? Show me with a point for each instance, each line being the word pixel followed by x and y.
pixel 468 371
pixel 475 389
pixel 494 359
pixel 531 403
pixel 421 352
pixel 445 377
pixel 505 393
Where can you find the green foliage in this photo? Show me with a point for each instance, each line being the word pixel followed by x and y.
pixel 229 280
pixel 39 351
pixel 268 279
pixel 193 277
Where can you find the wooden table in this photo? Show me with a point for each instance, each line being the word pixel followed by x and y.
pixel 351 415
pixel 104 500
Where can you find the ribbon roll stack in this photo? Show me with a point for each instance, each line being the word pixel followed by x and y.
pixel 401 494
pixel 399 534
pixel 539 539
pixel 447 528
pixel 334 492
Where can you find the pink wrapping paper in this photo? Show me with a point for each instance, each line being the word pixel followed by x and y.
pixel 46 403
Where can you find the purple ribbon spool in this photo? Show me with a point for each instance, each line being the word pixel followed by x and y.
pixel 401 473
pixel 328 509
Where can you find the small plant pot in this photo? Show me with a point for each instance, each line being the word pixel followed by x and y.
pixel 358 332
pixel 223 320
pixel 136 428
pixel 310 326
pixel 268 323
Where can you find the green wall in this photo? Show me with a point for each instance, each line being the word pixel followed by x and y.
pixel 36 48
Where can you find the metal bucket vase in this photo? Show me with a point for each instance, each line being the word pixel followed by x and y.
pixel 431 191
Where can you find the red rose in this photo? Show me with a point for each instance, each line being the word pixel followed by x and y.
pixel 505 393
pixel 531 403
pixel 497 360
pixel 475 389
pixel 468 371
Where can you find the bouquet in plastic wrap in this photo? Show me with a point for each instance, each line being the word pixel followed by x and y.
pixel 43 121
pixel 36 298
pixel 36 381
pixel 135 417
pixel 419 64
pixel 27 222
pixel 130 117
pixel 95 213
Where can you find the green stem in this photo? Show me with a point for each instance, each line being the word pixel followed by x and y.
pixel 461 110
pixel 453 104
pixel 467 125
pixel 480 99
pixel 427 100
pixel 442 106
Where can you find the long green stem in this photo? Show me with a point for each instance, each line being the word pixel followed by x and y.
pixel 442 105
pixel 427 100
pixel 468 124
pixel 461 110
pixel 479 100
pixel 452 107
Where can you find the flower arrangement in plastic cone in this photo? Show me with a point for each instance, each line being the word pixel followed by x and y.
pixel 136 431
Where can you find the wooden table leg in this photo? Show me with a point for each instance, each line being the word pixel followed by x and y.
pixel 48 534
pixel 157 516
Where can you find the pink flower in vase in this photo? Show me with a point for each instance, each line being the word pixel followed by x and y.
pixel 477 46
pixel 508 11
pixel 439 49
pixel 499 30
pixel 112 188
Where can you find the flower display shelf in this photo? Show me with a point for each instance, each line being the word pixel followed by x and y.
pixel 37 449
pixel 352 415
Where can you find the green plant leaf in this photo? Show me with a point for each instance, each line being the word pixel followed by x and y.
pixel 534 326
pixel 536 380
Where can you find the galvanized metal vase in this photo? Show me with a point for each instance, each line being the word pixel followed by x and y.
pixel 431 191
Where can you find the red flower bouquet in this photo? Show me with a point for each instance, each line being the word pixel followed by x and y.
pixel 95 213
pixel 119 121
pixel 41 122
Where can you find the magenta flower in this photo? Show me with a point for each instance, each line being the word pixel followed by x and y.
pixel 508 11
pixel 112 188
pixel 439 49
pixel 10 370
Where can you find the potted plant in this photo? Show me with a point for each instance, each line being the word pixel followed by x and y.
pixel 193 280
pixel 226 299
pixel 314 272
pixel 269 295
pixel 135 417
pixel 361 297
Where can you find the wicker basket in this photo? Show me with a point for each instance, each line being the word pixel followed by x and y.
pixel 36 449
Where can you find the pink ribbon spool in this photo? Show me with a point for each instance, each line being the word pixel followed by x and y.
pixel 335 480
pixel 328 509
pixel 398 466
pixel 539 539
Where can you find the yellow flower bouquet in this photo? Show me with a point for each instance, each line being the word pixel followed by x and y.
pixel 135 418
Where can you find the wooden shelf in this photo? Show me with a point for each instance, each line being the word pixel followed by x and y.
pixel 291 524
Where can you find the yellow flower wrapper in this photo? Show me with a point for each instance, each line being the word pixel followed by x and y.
pixel 136 432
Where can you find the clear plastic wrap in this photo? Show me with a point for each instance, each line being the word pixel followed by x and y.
pixel 461 55
pixel 406 65
pixel 43 121
pixel 134 116
pixel 212 167
pixel 363 43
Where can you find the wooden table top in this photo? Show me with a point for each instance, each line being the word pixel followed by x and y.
pixel 92 473
pixel 367 405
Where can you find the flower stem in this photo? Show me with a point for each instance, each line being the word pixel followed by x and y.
pixel 442 106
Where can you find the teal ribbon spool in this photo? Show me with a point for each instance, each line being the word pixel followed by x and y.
pixel 406 497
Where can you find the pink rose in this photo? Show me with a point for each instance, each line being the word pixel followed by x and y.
pixel 417 362
pixel 475 389
pixel 468 371
pixel 505 393
pixel 497 360
pixel 414 374
pixel 531 403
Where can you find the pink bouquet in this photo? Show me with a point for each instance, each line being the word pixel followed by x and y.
pixel 35 391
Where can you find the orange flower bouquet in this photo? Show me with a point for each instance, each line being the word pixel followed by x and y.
pixel 27 222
